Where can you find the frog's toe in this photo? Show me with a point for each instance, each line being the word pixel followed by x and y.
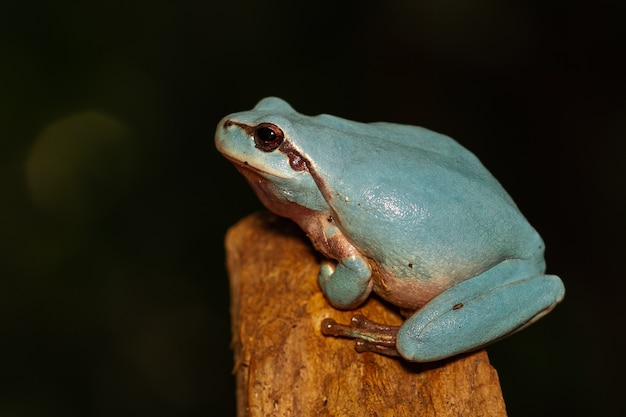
pixel 370 336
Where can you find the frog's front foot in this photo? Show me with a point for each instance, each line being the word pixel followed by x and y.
pixel 370 336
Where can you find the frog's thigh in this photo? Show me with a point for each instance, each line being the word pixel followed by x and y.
pixel 478 311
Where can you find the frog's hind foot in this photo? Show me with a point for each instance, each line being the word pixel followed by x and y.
pixel 370 336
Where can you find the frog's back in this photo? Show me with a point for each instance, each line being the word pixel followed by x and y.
pixel 410 196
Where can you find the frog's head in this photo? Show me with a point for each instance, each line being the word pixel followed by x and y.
pixel 262 144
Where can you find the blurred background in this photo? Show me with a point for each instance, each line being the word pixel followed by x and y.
pixel 114 202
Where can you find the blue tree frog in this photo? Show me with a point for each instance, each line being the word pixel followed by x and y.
pixel 401 211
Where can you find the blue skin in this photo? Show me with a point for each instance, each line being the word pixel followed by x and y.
pixel 402 211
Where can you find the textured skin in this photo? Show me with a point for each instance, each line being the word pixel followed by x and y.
pixel 405 212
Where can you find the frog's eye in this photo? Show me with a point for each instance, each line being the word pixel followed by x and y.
pixel 268 137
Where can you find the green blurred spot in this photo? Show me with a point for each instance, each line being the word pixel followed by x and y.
pixel 79 166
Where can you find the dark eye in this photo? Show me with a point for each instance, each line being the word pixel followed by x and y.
pixel 268 137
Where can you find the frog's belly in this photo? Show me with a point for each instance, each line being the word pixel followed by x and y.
pixel 409 293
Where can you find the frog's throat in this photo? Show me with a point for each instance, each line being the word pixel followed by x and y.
pixel 270 197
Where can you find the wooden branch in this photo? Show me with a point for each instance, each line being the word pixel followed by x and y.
pixel 286 367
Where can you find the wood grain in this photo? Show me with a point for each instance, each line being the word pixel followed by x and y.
pixel 285 367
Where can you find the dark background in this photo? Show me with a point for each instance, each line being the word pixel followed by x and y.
pixel 113 292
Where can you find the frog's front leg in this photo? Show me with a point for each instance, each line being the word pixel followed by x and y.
pixel 347 282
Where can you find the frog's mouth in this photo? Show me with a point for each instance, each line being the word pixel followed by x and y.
pixel 266 190
pixel 246 169
pixel 251 173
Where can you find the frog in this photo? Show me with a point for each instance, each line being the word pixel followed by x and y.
pixel 402 212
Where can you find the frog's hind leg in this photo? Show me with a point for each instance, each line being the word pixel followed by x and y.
pixel 479 311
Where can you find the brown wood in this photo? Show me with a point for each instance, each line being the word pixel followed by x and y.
pixel 286 367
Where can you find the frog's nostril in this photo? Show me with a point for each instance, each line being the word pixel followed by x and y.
pixel 227 124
